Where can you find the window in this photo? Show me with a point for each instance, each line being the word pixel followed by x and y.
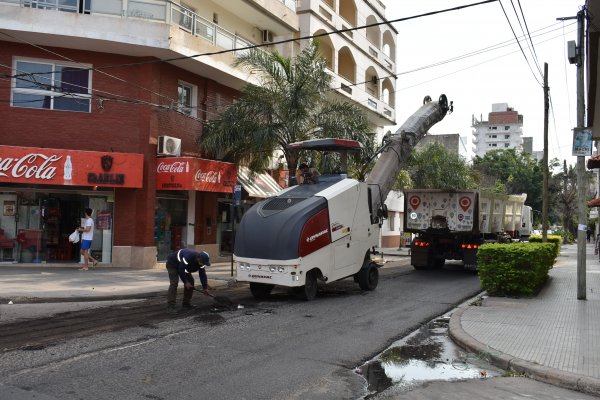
pixel 53 86
pixel 506 136
pixel 391 217
pixel 186 95
pixel 494 136
pixel 506 127
pixel 506 145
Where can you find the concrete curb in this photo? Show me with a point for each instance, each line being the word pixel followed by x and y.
pixel 507 362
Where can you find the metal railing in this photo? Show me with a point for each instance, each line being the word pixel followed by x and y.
pixel 153 10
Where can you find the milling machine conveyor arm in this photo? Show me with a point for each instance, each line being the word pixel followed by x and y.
pixel 399 146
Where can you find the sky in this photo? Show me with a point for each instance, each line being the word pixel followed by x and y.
pixel 498 75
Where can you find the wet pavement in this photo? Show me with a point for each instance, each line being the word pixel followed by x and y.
pixel 425 355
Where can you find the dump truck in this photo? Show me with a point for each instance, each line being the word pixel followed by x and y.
pixel 326 230
pixel 451 225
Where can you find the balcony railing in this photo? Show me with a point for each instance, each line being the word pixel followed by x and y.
pixel 152 10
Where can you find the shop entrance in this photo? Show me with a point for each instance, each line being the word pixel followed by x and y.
pixel 170 221
pixel 225 229
pixel 36 226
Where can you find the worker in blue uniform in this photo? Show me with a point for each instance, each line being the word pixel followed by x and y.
pixel 180 265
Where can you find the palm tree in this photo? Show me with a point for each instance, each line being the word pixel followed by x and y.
pixel 288 105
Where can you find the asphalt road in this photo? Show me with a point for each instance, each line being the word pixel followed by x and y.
pixel 282 348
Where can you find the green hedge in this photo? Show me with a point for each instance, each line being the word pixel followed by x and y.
pixel 516 269
pixel 554 239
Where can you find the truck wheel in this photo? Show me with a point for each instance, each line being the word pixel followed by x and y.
pixel 368 278
pixel 260 291
pixel 309 291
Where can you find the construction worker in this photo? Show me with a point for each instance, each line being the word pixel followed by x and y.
pixel 180 265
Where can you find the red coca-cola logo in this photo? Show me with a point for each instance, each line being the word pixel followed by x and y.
pixel 33 165
pixel 210 176
pixel 176 166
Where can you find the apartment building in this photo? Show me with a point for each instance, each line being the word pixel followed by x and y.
pixel 102 103
pixel 502 130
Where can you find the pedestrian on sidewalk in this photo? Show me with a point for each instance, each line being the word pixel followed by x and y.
pixel 86 240
pixel 589 234
pixel 597 247
pixel 180 265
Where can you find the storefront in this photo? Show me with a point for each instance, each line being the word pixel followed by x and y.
pixel 43 193
pixel 187 213
pixel 257 186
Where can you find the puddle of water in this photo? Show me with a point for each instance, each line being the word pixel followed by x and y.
pixel 425 355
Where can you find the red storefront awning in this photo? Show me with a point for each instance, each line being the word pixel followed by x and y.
pixel 33 165
pixel 189 173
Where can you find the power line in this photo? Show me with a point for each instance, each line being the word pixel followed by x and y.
pixel 93 69
pixel 519 43
pixel 337 31
pixel 532 48
pixel 469 67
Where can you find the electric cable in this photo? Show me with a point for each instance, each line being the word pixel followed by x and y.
pixel 519 43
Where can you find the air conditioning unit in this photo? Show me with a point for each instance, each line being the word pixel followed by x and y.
pixel 168 146
pixel 267 36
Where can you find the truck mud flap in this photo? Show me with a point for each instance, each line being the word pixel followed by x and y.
pixel 470 260
pixel 419 258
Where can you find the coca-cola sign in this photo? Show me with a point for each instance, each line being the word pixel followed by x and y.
pixel 173 167
pixel 208 176
pixel 188 173
pixel 32 165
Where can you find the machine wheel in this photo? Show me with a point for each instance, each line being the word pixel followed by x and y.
pixel 260 291
pixel 309 291
pixel 368 278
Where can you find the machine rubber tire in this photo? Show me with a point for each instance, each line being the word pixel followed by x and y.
pixel 260 291
pixel 309 291
pixel 368 278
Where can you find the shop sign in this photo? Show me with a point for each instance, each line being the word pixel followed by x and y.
pixel 188 173
pixel 34 165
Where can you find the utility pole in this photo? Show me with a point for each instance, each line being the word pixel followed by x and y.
pixel 578 59
pixel 545 162
pixel 581 189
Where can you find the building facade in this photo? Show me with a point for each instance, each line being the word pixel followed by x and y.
pixel 362 63
pixel 102 106
pixel 502 130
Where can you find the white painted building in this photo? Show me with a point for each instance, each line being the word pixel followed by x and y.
pixel 361 61
pixel 502 130
pixel 363 65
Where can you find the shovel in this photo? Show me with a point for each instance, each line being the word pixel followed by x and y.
pixel 219 299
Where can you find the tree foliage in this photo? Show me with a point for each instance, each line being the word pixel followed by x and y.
pixel 435 167
pixel 288 105
pixel 511 172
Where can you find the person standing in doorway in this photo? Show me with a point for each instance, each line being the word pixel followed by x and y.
pixel 87 234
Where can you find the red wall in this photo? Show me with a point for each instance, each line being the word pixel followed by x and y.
pixel 122 122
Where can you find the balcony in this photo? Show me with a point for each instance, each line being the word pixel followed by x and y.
pixel 378 111
pixel 158 28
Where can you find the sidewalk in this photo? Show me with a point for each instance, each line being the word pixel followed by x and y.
pixel 553 337
pixel 18 283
